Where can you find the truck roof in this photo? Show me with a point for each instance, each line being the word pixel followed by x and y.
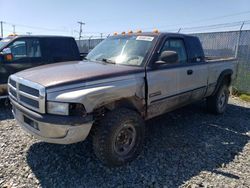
pixel 38 36
pixel 156 34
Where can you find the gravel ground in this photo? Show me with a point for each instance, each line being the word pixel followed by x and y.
pixel 185 148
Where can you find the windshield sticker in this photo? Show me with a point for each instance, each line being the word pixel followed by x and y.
pixel 145 38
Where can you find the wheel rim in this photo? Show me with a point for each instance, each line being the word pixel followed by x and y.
pixel 125 139
pixel 222 100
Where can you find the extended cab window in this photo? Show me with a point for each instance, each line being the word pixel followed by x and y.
pixel 178 46
pixel 25 48
pixel 59 49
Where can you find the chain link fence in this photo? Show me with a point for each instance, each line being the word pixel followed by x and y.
pixel 218 44
pixel 86 45
pixel 230 44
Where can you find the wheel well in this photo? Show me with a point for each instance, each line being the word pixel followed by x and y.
pixel 227 79
pixel 132 103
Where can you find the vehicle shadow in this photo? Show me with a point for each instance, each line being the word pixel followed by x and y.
pixel 178 146
pixel 5 111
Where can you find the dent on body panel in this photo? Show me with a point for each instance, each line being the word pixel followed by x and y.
pixel 97 95
pixel 119 90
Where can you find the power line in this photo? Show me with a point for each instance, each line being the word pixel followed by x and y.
pixel 216 26
pixel 35 27
pixel 202 20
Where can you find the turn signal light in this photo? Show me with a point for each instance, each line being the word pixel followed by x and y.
pixel 9 57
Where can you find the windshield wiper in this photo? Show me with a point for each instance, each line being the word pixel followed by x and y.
pixel 108 61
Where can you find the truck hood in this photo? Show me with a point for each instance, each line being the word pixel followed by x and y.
pixel 75 71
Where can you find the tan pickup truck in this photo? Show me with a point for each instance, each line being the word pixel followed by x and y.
pixel 123 81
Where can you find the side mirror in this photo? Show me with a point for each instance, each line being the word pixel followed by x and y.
pixel 168 57
pixel 7 55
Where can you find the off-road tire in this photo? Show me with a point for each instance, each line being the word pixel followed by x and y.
pixel 217 103
pixel 105 136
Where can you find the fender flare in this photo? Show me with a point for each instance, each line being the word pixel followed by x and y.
pixel 223 74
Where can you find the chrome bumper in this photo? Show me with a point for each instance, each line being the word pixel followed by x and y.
pixel 50 132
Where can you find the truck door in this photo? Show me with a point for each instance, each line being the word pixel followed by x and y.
pixel 172 85
pixel 162 89
pixel 192 75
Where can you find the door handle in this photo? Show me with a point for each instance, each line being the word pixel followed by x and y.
pixel 189 72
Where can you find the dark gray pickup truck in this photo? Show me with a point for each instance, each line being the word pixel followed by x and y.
pixel 123 81
pixel 25 51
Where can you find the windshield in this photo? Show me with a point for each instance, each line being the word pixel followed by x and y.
pixel 3 42
pixel 126 50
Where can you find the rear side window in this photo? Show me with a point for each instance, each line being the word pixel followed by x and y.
pixel 195 50
pixel 60 49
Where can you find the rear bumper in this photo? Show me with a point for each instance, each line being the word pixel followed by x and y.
pixel 52 128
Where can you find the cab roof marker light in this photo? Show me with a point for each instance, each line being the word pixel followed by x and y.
pixel 123 33
pixel 115 33
pixel 155 31
pixel 12 35
pixel 130 32
pixel 139 31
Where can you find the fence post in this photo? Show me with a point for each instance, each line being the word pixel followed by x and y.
pixel 236 54
pixel 89 43
pixel 238 40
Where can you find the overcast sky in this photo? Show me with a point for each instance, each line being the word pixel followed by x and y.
pixel 61 16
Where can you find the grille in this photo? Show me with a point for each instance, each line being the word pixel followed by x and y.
pixel 27 93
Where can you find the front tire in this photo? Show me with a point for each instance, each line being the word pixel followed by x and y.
pixel 119 137
pixel 218 102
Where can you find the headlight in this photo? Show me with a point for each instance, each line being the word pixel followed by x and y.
pixel 58 108
pixel 72 109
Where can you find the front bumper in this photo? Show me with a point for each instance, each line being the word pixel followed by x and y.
pixel 52 128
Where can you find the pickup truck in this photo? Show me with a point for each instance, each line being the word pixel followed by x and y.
pixel 24 51
pixel 123 81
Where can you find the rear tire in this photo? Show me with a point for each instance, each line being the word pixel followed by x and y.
pixel 119 137
pixel 217 103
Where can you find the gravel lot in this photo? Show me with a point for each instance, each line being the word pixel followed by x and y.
pixel 188 148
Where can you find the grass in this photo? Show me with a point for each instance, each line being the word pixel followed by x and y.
pixel 245 97
pixel 242 95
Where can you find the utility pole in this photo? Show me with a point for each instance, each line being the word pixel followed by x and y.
pixel 101 35
pixel 80 33
pixel 14 29
pixel 1 23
